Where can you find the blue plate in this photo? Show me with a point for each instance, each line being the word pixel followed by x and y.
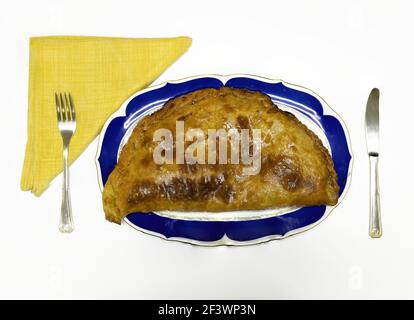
pixel 229 228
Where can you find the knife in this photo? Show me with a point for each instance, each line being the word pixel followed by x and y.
pixel 372 138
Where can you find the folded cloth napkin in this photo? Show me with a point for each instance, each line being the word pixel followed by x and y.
pixel 100 73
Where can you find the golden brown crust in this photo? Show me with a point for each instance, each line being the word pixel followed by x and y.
pixel 296 169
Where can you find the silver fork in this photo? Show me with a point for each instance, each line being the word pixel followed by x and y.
pixel 67 125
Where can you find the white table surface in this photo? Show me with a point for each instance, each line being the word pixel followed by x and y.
pixel 340 49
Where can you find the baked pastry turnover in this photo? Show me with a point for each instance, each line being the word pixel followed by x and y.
pixel 295 169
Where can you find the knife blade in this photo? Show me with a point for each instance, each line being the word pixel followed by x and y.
pixel 373 145
pixel 372 123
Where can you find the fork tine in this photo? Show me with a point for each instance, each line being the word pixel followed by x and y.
pixel 72 108
pixel 59 115
pixel 63 107
pixel 68 108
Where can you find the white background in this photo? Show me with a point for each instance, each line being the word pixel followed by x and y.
pixel 340 49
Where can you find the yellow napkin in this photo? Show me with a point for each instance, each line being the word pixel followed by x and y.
pixel 100 73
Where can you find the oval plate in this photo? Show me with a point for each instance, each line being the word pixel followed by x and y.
pixel 233 228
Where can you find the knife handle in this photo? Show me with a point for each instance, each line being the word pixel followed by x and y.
pixel 375 226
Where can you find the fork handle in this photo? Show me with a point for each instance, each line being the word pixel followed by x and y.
pixel 66 219
pixel 375 226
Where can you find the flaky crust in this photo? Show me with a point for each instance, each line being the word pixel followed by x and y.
pixel 296 169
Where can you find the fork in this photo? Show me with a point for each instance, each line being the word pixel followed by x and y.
pixel 67 125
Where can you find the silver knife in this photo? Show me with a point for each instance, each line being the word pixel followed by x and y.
pixel 372 137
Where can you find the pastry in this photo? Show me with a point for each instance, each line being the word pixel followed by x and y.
pixel 292 167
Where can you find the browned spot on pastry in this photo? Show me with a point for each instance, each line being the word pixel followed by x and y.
pixel 243 122
pixel 184 117
pixel 227 107
pixel 273 110
pixel 146 140
pixel 288 173
pixel 285 170
pixel 146 161
pixel 184 188
pixel 225 193
pixel 208 185
pixel 178 188
pixel 143 191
